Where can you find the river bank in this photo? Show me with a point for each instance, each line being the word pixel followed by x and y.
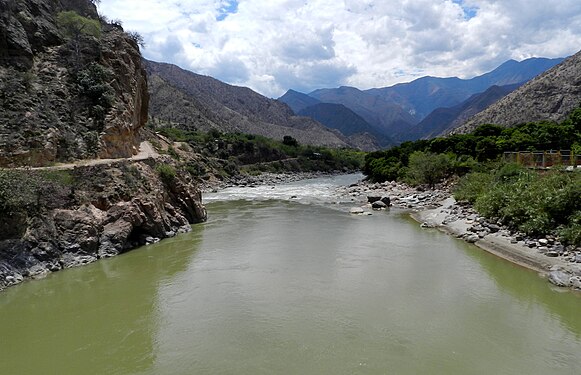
pixel 436 208
pixel 245 180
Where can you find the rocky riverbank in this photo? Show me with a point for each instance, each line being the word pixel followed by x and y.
pixel 261 179
pixel 436 208
pixel 101 211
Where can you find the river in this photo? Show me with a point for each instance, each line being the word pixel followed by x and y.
pixel 279 285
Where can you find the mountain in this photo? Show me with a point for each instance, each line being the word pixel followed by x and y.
pixel 442 120
pixel 297 100
pixel 551 96
pixel 385 116
pixel 394 110
pixel 337 116
pixel 200 102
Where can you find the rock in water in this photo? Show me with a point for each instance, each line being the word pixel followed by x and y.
pixel 560 278
pixel 378 205
pixel 357 211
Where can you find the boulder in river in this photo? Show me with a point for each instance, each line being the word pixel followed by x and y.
pixel 378 205
pixel 560 278
pixel 372 198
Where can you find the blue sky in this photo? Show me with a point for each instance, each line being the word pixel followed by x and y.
pixel 231 7
pixel 469 11
pixel 274 45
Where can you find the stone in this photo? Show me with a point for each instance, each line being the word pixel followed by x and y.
pixel 543 241
pixel 357 211
pixel 575 282
pixel 560 278
pixel 387 201
pixel 472 238
pixel 378 205
pixel 372 198
pixel 552 254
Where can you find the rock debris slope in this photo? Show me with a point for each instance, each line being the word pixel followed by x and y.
pixel 551 96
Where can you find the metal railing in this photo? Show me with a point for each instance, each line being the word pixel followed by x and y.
pixel 544 159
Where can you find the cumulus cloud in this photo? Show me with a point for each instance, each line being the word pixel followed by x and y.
pixel 274 45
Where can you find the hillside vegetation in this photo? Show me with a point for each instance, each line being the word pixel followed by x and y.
pixel 533 202
pixel 232 154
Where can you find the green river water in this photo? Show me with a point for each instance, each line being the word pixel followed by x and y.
pixel 282 287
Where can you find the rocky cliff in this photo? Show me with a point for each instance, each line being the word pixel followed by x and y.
pixel 551 96
pixel 71 85
pixel 55 219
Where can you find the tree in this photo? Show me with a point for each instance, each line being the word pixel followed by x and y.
pixel 74 26
pixel 290 141
pixel 137 38
pixel 428 168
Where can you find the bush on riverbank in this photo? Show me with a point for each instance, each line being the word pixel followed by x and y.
pixel 531 202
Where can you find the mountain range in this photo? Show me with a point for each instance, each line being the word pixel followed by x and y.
pixel 194 101
pixel 396 111
pixel 442 119
pixel 342 117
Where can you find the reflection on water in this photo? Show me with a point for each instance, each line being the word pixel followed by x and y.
pixel 281 287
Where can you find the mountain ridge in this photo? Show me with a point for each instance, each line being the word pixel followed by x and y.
pixel 443 120
pixel 551 96
pixel 231 108
pixel 395 109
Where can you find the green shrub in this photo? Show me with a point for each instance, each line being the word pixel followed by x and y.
pixel 32 191
pixel 536 204
pixel 166 172
pixel 571 233
pixel 74 25
pixel 472 185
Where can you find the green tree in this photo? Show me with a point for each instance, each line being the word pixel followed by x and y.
pixel 289 141
pixel 75 26
pixel 428 168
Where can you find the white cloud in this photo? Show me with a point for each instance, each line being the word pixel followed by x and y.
pixel 274 45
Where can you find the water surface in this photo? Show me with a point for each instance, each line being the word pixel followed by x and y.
pixel 293 286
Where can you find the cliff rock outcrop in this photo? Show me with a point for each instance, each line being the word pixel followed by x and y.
pixel 90 213
pixel 71 85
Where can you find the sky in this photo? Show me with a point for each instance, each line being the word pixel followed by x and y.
pixel 275 45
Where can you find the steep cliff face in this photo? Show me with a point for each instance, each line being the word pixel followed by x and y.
pixel 67 93
pixel 72 87
pixel 64 219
